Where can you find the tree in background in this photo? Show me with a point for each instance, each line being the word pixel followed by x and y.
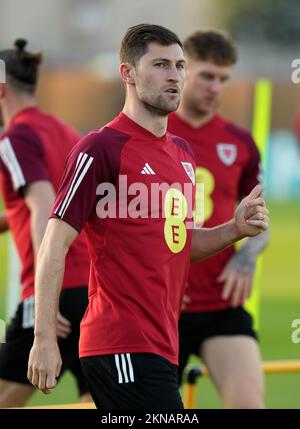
pixel 275 21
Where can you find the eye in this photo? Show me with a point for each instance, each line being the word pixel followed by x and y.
pixel 160 65
pixel 207 76
pixel 180 66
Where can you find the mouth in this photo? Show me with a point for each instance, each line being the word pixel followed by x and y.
pixel 210 99
pixel 173 91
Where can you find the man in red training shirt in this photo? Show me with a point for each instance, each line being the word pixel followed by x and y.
pixel 214 324
pixel 33 150
pixel 140 246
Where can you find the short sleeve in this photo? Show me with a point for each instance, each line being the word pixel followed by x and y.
pixel 76 197
pixel 252 173
pixel 21 152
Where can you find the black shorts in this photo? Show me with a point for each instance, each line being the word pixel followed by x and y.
pixel 194 328
pixel 14 353
pixel 132 380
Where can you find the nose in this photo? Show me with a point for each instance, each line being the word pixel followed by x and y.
pixel 173 74
pixel 215 86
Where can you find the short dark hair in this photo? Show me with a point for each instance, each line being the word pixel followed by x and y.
pixel 21 67
pixel 137 38
pixel 211 46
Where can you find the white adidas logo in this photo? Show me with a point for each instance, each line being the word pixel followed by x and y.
pixel 147 169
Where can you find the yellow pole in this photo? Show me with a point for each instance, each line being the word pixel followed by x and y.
pixel 189 396
pixel 260 131
pixel 272 367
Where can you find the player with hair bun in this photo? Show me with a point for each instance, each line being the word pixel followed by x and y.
pixel 33 150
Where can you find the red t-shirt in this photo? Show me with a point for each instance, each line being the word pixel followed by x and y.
pixel 297 125
pixel 34 148
pixel 228 164
pixel 139 265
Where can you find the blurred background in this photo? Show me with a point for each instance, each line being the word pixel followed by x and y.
pixel 80 83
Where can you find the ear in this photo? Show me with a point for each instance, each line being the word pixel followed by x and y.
pixel 127 71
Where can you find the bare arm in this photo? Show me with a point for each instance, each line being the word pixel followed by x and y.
pixel 251 218
pixel 44 361
pixel 39 199
pixel 239 272
pixel 208 241
pixel 49 275
pixel 254 246
pixel 3 223
pixel 244 259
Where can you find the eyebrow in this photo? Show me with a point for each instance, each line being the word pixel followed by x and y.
pixel 167 60
pixel 209 73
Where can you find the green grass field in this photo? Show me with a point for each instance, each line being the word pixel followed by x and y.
pixel 279 307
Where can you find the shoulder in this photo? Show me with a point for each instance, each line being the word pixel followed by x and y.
pixel 21 131
pixel 240 133
pixel 22 140
pixel 182 144
pixel 245 138
pixel 101 141
pixel 102 149
pixel 61 125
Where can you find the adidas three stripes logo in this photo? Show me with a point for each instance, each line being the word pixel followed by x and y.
pixel 147 169
pixel 124 368
pixel 84 162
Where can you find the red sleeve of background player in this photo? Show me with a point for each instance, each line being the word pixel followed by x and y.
pixel 21 152
pixel 297 125
pixel 252 174
pixel 94 160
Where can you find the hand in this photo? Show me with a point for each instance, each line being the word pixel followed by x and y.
pixel 63 326
pixel 185 302
pixel 237 284
pixel 44 365
pixel 252 216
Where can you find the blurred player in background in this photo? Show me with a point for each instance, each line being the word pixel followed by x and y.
pixel 33 150
pixel 214 324
pixel 3 223
pixel 297 126
pixel 129 335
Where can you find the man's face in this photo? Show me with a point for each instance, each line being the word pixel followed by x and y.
pixel 159 78
pixel 204 85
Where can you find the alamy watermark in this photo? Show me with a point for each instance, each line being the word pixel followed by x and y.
pixel 295 337
pixel 2 331
pixel 295 76
pixel 2 72
pixel 156 200
pixel 137 200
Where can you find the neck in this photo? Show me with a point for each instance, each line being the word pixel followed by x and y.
pixel 194 117
pixel 14 105
pixel 156 124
